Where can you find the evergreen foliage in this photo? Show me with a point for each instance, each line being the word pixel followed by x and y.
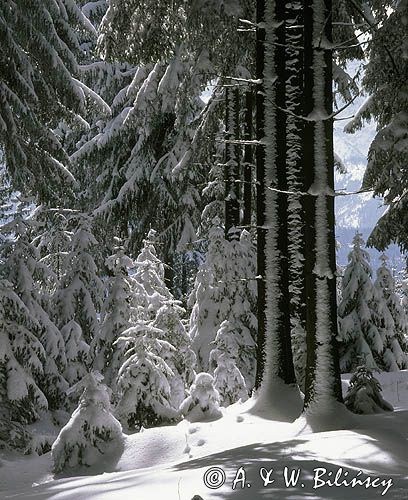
pixel 116 317
pixel 92 430
pixel 360 333
pixel 395 320
pixel 225 289
pixel 37 89
pixel 228 380
pixel 385 82
pixel 29 278
pixel 182 361
pixel 145 398
pixel 364 393
pixel 22 358
pixel 80 293
pixel 160 363
pixel 203 400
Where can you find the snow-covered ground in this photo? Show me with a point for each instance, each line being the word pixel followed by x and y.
pixel 245 450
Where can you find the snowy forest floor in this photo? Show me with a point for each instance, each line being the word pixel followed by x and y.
pixel 169 463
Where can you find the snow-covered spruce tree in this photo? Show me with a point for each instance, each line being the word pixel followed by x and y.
pixel 360 335
pixel 403 292
pixel 203 401
pixel 182 361
pixel 394 319
pixel 228 380
pixel 80 292
pixel 144 392
pixel 37 89
pixel 53 238
pixel 160 136
pixel 30 278
pixel 385 82
pixel 106 80
pixel 225 289
pixel 155 311
pixel 93 435
pixel 149 277
pixel 132 158
pixel 22 359
pixel 364 393
pixel 76 352
pixel 116 315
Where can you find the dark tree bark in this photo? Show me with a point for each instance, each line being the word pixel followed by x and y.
pixel 337 390
pixel 248 159
pixel 260 189
pixel 285 369
pixel 232 160
pixel 315 279
pixel 296 181
pixel 309 203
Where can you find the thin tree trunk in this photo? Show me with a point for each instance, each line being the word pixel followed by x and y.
pixel 169 271
pixel 337 390
pixel 232 163
pixel 309 204
pixel 248 160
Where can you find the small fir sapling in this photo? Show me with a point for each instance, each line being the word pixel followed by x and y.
pixel 225 288
pixel 395 321
pixel 144 391
pixel 203 403
pixel 76 352
pixel 182 360
pixel 149 275
pixel 80 292
pixel 92 432
pixel 359 328
pixel 228 380
pixel 116 317
pixel 364 393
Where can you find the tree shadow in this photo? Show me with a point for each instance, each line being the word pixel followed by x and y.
pixel 257 459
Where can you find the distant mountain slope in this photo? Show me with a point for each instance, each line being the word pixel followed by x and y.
pixel 357 211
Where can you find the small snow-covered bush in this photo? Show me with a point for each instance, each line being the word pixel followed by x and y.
pixel 203 403
pixel 364 393
pixel 92 430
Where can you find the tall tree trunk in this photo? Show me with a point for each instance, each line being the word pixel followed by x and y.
pixel 323 384
pixel 309 204
pixel 332 280
pixel 295 174
pixel 279 375
pixel 248 159
pixel 232 160
pixel 260 189
pixel 285 368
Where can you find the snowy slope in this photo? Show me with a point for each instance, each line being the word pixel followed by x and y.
pixel 171 462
